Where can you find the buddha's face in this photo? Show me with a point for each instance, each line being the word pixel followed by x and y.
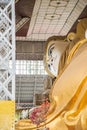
pixel 52 60
pixel 54 50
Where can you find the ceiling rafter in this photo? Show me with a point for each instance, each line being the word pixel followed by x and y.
pixel 22 22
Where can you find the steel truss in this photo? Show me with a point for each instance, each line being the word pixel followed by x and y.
pixel 7 50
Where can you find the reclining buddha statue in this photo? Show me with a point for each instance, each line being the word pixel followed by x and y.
pixel 68 94
pixel 58 48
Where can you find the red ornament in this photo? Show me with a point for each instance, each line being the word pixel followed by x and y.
pixel 37 116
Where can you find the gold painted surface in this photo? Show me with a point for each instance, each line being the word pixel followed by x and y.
pixel 7 115
pixel 68 95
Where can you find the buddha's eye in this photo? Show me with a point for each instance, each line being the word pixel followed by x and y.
pixel 50 50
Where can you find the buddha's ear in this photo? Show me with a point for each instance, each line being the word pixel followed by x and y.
pixel 71 37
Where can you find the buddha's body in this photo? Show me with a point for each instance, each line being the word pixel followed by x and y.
pixel 68 96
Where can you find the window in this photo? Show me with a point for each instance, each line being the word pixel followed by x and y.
pixel 30 67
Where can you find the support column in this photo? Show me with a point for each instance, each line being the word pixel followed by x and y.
pixel 7 50
pixel 7 65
